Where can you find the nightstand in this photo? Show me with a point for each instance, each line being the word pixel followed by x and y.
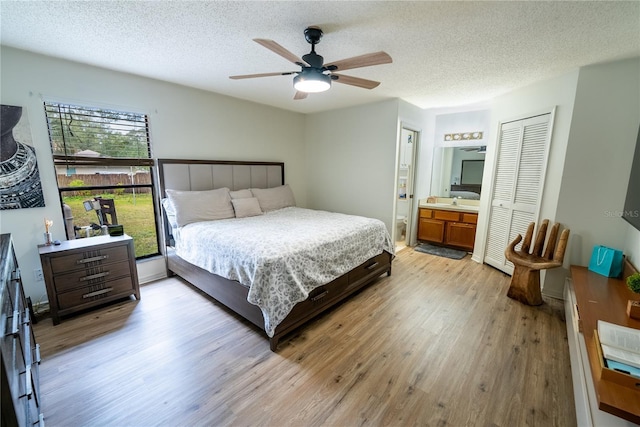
pixel 84 273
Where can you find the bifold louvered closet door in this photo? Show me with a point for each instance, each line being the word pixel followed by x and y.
pixel 517 186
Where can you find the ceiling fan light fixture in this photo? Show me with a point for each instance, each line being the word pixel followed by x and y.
pixel 314 75
pixel 311 81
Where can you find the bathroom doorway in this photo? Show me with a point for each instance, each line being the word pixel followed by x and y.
pixel 404 185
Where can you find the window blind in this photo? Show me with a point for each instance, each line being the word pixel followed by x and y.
pixel 89 136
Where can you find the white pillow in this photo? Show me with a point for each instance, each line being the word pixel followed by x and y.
pixel 245 207
pixel 241 194
pixel 274 198
pixel 194 206
pixel 170 212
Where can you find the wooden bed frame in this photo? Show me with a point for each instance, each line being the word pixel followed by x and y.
pixel 179 174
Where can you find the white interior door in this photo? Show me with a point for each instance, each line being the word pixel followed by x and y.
pixel 415 135
pixel 405 181
pixel 518 183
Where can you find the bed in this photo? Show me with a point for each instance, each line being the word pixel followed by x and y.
pixel 466 191
pixel 314 290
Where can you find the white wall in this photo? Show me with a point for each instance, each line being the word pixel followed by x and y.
pixel 601 145
pixel 466 121
pixel 184 123
pixel 425 158
pixel 351 160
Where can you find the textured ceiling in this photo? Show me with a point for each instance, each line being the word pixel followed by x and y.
pixel 444 53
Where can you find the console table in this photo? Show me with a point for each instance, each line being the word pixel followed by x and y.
pixel 590 297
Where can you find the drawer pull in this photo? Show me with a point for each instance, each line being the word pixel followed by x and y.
pixel 26 318
pixel 92 259
pixel 38 359
pixel 372 266
pixel 16 321
pixel 319 296
pixel 96 293
pixel 27 378
pixel 94 276
pixel 18 301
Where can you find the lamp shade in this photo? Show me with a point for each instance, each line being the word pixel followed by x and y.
pixel 312 81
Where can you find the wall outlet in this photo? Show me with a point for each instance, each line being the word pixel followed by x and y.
pixel 37 273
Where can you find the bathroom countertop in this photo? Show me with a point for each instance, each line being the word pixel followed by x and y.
pixel 470 206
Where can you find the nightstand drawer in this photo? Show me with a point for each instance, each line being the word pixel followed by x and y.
pixel 92 275
pixel 88 258
pixel 93 294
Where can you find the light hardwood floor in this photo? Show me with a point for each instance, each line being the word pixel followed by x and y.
pixel 438 343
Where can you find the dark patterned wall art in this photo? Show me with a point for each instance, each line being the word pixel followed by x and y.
pixel 20 185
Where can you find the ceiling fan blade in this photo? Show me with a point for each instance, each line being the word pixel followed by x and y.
pixel 366 60
pixel 300 95
pixel 276 48
pixel 251 76
pixel 355 81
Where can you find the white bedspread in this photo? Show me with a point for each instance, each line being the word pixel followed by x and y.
pixel 283 255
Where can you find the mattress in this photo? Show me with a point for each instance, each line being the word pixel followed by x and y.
pixel 284 254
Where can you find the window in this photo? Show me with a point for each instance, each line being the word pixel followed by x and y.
pixel 104 172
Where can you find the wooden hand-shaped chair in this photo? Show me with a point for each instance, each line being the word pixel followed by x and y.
pixel 525 282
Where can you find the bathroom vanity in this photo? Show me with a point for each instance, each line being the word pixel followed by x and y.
pixel 448 222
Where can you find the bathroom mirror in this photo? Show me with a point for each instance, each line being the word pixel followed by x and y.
pixel 458 172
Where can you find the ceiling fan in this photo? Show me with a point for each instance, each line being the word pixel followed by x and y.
pixel 315 76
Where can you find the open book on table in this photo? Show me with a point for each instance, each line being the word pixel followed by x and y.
pixel 620 347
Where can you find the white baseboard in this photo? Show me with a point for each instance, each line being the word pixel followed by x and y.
pixel 152 277
pixel 151 269
pixel 553 294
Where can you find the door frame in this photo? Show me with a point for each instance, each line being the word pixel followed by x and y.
pixel 411 174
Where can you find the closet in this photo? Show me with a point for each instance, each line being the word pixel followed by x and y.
pixel 518 181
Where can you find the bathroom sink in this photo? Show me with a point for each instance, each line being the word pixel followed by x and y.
pixel 470 207
pixel 439 205
pixel 450 206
